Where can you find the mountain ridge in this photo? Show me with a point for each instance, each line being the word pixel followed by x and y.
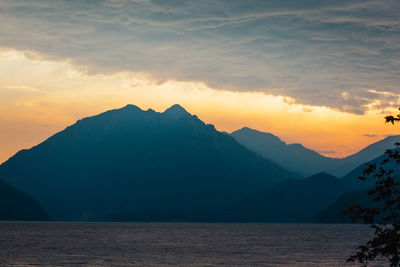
pixel 296 157
pixel 133 161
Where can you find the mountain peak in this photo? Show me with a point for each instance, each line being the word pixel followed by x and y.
pixel 131 107
pixel 176 111
pixel 255 133
pixel 158 167
pixel 245 129
pixel 251 130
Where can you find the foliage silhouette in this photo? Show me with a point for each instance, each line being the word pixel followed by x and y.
pixel 383 217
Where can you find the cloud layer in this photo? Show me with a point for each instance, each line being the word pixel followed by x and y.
pixel 341 54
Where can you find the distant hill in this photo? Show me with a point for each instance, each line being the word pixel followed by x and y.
pixel 130 162
pixel 372 152
pixel 291 200
pixel 334 213
pixel 355 191
pixel 17 206
pixel 297 158
pixel 293 156
pixel 319 198
pixel 355 184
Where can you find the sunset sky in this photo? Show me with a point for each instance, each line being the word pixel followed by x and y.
pixel 319 73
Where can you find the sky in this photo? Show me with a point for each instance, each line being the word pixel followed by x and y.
pixel 320 73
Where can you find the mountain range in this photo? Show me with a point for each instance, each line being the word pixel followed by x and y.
pixel 130 164
pixel 297 158
pixel 130 161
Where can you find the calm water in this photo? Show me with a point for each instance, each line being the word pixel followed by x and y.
pixel 182 244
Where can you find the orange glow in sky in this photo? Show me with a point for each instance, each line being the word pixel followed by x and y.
pixel 40 97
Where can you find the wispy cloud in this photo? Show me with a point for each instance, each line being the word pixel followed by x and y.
pixel 314 51
pixel 376 135
pixel 21 88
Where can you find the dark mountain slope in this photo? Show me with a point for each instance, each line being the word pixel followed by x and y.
pixel 356 191
pixel 335 212
pixel 354 184
pixel 17 206
pixel 134 161
pixel 291 200
pixel 321 198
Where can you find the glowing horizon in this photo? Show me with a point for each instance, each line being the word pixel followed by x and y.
pixel 41 97
pixel 319 73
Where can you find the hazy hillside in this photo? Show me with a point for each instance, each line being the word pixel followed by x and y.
pixel 334 213
pixel 291 200
pixel 130 161
pixel 372 152
pixel 352 181
pixel 293 157
pixel 297 158
pixel 17 206
pixel 321 197
pixel 355 191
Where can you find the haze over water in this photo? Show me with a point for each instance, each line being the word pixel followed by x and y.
pixel 177 244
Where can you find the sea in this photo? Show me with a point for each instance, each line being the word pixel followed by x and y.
pixel 179 244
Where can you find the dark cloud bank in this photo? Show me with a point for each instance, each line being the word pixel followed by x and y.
pixel 342 54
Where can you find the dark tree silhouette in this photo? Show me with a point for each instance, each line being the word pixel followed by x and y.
pixel 384 216
pixel 392 119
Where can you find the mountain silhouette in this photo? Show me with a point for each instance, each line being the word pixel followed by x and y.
pixel 130 162
pixel 319 198
pixel 297 158
pixel 334 213
pixel 290 201
pixel 17 206
pixel 373 152
pixel 356 191
pixel 293 156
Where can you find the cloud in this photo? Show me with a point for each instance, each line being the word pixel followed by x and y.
pixel 22 88
pixel 371 135
pixel 375 135
pixel 311 51
pixel 327 152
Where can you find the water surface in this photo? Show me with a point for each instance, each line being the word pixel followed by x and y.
pixel 177 244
